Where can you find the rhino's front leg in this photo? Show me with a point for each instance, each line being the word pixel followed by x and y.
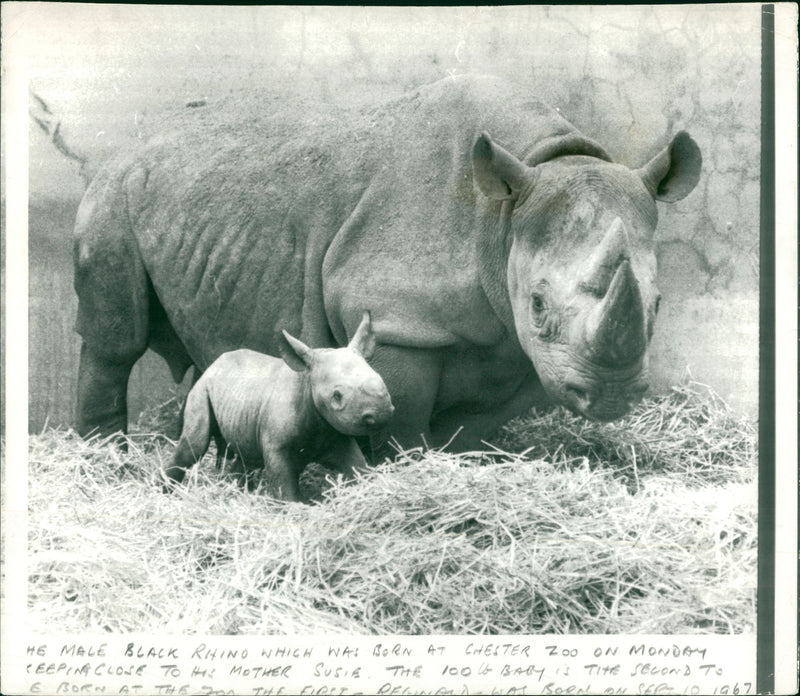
pixel 349 460
pixel 283 473
pixel 412 378
pixel 464 431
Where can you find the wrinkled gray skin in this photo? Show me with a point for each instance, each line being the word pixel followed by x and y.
pixel 280 419
pixel 507 262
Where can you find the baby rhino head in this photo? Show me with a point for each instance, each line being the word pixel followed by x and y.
pixel 347 392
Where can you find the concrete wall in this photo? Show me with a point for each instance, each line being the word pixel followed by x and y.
pixel 629 77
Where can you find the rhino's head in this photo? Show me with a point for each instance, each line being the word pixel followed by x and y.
pixel 581 265
pixel 346 391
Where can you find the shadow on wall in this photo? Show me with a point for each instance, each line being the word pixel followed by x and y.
pixel 628 77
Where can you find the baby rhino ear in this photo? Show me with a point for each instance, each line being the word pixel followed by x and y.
pixel 295 353
pixel 363 340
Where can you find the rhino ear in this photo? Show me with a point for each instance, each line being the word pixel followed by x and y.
pixel 674 172
pixel 363 340
pixel 499 174
pixel 295 353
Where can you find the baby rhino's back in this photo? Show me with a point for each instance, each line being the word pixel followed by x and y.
pixel 247 390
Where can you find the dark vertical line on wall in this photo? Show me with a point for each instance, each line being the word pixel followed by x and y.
pixel 765 662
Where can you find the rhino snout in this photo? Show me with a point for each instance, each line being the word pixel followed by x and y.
pixel 378 417
pixel 581 395
pixel 602 402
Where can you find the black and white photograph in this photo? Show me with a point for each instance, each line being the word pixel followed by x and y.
pixel 346 321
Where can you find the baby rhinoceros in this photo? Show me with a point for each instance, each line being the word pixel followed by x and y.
pixel 282 418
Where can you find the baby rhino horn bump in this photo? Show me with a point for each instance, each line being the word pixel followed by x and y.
pixel 363 341
pixel 615 333
pixel 606 259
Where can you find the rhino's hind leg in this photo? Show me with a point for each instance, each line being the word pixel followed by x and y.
pixel 102 394
pixel 195 435
pixel 224 456
pixel 231 463
pixel 111 285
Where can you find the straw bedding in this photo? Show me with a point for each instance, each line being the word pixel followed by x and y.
pixel 647 525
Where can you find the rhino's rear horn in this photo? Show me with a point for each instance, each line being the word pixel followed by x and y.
pixel 605 260
pixel 615 331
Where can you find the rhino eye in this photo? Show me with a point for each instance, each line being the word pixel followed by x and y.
pixel 337 398
pixel 658 303
pixel 538 307
pixel 538 304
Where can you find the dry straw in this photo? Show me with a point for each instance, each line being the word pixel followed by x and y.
pixel 647 525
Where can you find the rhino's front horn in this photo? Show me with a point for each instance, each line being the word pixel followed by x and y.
pixel 615 331
pixel 606 259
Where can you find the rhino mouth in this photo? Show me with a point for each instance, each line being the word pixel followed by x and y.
pixel 603 401
pixel 603 412
pixel 604 394
pixel 369 421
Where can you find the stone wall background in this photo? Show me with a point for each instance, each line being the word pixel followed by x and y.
pixel 629 77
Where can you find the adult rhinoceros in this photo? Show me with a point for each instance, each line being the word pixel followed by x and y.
pixel 505 259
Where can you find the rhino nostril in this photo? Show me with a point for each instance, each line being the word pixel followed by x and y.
pixel 581 395
pixel 368 419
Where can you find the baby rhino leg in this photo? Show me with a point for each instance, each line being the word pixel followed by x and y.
pixel 282 472
pixel 350 459
pixel 195 434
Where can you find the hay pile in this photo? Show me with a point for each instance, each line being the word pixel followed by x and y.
pixel 646 525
